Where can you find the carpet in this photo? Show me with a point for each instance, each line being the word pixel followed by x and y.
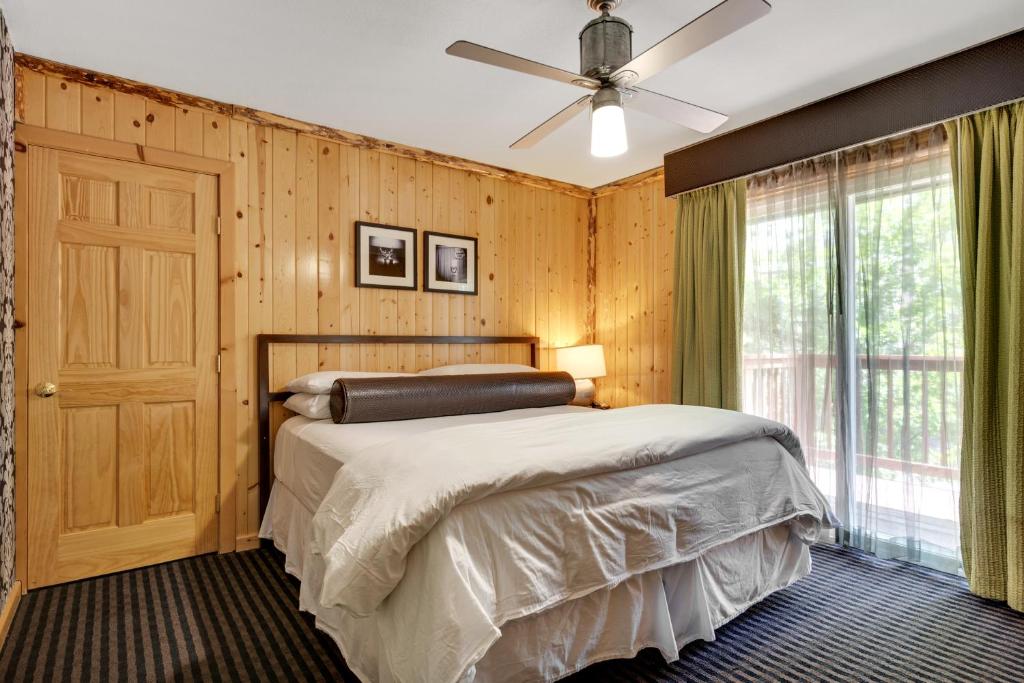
pixel 234 618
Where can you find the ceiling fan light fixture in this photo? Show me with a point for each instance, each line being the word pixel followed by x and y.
pixel 608 68
pixel 607 124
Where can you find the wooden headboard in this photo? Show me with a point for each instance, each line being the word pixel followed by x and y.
pixel 266 396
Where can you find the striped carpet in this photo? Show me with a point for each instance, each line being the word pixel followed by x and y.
pixel 233 617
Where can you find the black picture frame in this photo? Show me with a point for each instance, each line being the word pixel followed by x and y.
pixel 472 264
pixel 409 257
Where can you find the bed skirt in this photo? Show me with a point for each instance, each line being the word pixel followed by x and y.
pixel 663 609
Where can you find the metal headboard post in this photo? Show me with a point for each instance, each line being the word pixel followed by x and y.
pixel 265 397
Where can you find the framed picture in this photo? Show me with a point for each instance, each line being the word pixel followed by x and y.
pixel 385 256
pixel 449 263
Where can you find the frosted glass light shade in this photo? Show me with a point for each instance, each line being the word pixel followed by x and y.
pixel 582 362
pixel 608 131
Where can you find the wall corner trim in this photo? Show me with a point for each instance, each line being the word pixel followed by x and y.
pixel 629 182
pixel 76 74
pixel 9 609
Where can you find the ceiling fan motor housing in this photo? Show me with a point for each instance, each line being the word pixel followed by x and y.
pixel 606 43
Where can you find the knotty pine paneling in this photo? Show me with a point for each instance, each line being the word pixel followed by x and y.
pixel 298 196
pixel 635 252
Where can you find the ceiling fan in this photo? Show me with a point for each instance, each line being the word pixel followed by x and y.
pixel 607 67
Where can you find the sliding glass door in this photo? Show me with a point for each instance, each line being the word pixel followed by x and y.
pixel 853 335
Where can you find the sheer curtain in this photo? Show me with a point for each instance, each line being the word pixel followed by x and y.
pixel 788 308
pixel 853 334
pixel 908 331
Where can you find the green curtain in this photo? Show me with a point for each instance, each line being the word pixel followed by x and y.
pixel 988 177
pixel 709 265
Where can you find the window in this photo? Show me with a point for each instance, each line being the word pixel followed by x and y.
pixel 852 335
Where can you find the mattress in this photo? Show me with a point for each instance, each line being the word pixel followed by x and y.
pixel 308 453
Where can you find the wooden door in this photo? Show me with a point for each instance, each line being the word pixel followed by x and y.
pixel 122 467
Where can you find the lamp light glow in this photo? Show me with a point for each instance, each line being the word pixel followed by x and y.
pixel 607 124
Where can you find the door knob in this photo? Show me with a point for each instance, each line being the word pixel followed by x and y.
pixel 46 389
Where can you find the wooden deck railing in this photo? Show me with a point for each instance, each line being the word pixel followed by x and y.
pixel 769 386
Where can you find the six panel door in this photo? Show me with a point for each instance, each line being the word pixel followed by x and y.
pixel 122 331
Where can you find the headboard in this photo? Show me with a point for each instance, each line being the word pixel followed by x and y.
pixel 266 397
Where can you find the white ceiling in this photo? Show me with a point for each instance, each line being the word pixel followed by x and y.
pixel 378 67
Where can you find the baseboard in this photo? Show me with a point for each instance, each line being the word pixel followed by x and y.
pixel 248 542
pixel 10 608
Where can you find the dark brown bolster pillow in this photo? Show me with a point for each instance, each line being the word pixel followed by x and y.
pixel 382 399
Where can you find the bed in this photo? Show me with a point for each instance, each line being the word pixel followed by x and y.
pixel 539 558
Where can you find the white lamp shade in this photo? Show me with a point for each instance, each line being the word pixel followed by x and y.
pixel 582 362
pixel 607 131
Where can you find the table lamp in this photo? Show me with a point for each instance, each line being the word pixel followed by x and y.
pixel 584 363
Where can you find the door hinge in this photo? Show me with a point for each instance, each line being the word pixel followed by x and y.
pixel 216 502
pixel 218 226
pixel 218 363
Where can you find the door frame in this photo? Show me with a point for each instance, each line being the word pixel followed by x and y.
pixel 228 278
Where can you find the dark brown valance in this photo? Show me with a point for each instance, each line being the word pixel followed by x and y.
pixel 976 78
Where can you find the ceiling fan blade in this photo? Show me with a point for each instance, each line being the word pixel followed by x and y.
pixel 713 25
pixel 552 124
pixel 486 55
pixel 669 108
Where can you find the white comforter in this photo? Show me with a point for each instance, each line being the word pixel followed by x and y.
pixel 433 542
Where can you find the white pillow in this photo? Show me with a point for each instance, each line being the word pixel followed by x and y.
pixel 313 406
pixel 321 382
pixel 478 369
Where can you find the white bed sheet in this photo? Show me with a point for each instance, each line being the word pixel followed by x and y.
pixel 308 453
pixel 663 609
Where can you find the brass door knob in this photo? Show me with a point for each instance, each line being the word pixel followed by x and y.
pixel 46 389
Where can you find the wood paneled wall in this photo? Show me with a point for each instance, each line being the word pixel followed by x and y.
pixel 635 253
pixel 298 196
